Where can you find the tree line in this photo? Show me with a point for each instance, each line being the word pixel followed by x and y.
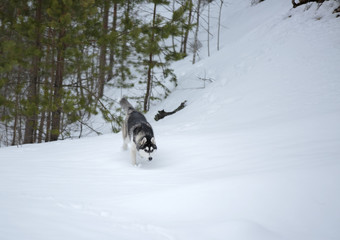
pixel 59 56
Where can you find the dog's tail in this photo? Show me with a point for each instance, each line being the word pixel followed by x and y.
pixel 126 105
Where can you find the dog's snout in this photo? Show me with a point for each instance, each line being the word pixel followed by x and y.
pixel 150 158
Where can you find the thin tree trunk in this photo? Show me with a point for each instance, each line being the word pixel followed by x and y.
pixel 41 127
pixel 57 96
pixel 14 130
pixel 102 58
pixel 219 26
pixel 173 37
pixel 15 127
pixel 20 130
pixel 112 51
pixel 208 29
pixel 122 56
pixel 186 35
pixel 149 77
pixel 31 118
pixel 49 85
pixel 49 117
pixel 196 33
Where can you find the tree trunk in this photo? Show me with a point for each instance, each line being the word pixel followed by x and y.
pixel 102 57
pixel 149 77
pixel 219 26
pixel 41 127
pixel 173 37
pixel 57 96
pixel 31 117
pixel 208 29
pixel 196 33
pixel 49 87
pixel 15 127
pixel 112 51
pixel 186 35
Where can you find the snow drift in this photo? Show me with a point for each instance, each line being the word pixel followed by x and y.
pixel 254 155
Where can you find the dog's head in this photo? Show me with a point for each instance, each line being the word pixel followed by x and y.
pixel 147 147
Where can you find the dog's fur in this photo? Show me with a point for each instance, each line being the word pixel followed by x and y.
pixel 138 132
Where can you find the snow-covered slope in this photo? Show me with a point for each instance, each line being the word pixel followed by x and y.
pixel 254 155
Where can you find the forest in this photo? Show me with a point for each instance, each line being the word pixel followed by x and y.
pixel 58 57
pixel 64 61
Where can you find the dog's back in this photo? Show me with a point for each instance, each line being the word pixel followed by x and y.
pixel 134 119
pixel 137 121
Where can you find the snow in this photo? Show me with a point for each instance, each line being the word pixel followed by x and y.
pixel 254 155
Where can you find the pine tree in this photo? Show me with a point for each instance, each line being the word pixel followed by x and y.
pixel 19 63
pixel 156 55
pixel 72 25
pixel 129 30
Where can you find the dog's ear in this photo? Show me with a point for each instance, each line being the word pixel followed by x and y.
pixel 153 140
pixel 143 141
pixel 153 143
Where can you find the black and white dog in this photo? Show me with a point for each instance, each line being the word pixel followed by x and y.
pixel 138 131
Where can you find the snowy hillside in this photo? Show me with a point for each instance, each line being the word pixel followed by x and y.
pixel 254 155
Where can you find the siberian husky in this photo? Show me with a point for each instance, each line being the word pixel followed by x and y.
pixel 138 132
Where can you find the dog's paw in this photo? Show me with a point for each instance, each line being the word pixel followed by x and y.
pixel 137 165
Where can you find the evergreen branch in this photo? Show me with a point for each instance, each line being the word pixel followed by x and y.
pixel 91 128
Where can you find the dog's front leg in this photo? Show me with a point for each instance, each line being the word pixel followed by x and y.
pixel 125 136
pixel 133 153
pixel 125 143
